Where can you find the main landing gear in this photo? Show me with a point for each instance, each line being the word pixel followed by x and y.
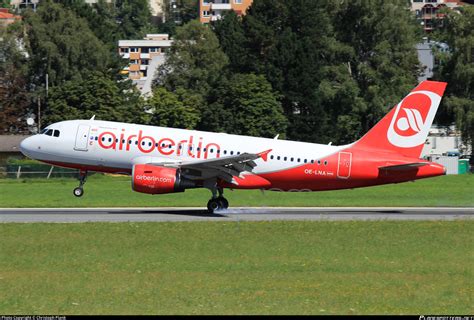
pixel 79 191
pixel 217 202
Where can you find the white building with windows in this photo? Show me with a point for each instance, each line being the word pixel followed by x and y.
pixel 144 57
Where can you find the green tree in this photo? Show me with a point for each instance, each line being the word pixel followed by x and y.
pixel 96 95
pixel 134 18
pixel 101 18
pixel 62 45
pixel 232 39
pixel 289 43
pixel 247 105
pixel 4 4
pixel 195 60
pixel 382 59
pixel 14 96
pixel 457 68
pixel 178 109
pixel 181 11
pixel 337 65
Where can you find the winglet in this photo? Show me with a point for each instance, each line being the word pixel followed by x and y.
pixel 264 154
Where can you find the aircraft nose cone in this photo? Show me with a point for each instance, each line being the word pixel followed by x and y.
pixel 26 146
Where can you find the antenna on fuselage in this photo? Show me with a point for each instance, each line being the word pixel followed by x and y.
pixel 93 117
pixel 276 137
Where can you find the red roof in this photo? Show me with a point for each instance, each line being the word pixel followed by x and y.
pixel 6 15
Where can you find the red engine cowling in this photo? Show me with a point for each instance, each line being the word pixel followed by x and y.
pixel 157 180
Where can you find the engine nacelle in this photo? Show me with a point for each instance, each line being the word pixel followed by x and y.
pixel 158 180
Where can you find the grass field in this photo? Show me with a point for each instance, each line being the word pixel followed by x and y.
pixel 107 191
pixel 238 268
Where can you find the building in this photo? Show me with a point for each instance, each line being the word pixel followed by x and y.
pixel 444 141
pixel 212 10
pixel 426 56
pixel 24 4
pixel 144 57
pixel 428 11
pixel 10 147
pixel 7 18
pixel 156 8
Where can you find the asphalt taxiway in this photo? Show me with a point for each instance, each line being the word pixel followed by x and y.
pixel 75 215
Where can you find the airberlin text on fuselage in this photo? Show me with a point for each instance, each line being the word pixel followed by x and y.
pixel 165 146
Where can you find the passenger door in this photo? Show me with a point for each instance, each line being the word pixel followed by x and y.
pixel 82 136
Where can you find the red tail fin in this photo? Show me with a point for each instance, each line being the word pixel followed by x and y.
pixel 405 128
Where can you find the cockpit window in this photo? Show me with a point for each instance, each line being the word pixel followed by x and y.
pixel 49 132
pixel 56 133
pixel 43 131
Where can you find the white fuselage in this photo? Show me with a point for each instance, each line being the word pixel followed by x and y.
pixel 121 145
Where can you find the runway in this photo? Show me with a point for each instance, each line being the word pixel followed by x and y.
pixel 74 215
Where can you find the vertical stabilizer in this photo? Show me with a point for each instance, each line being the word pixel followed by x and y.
pixel 405 128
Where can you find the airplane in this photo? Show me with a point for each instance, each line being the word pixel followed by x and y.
pixel 167 160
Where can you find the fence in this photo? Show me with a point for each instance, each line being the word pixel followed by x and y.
pixel 14 171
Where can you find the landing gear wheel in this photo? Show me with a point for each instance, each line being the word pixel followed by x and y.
pixel 213 205
pixel 223 203
pixel 78 192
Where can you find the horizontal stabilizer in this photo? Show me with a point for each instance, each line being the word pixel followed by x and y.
pixel 405 166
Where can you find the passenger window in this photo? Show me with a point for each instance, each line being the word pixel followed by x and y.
pixel 325 163
pixel 292 159
pixel 232 153
pixel 312 161
pixel 305 160
pixel 284 158
pixel 319 162
pixel 225 151
pixel 56 133
pixel 271 157
pixel 278 158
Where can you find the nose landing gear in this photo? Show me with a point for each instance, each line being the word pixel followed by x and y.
pixel 217 203
pixel 79 191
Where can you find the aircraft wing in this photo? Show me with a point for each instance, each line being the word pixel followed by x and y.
pixel 225 168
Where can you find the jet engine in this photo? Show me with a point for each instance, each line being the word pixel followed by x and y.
pixel 157 180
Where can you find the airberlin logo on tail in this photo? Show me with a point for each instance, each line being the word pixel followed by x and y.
pixel 412 119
